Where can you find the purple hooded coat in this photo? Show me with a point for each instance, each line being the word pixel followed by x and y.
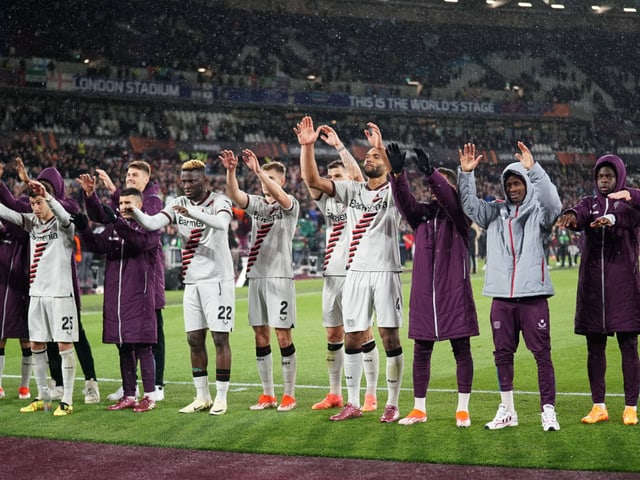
pixel 129 310
pixel 441 305
pixel 14 281
pixel 608 298
pixel 151 204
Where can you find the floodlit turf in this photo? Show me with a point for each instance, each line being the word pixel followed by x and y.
pixel 607 446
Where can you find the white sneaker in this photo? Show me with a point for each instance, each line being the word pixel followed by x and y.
pixel 55 393
pixel 119 393
pixel 219 407
pixel 549 421
pixel 91 391
pixel 504 418
pixel 158 395
pixel 198 405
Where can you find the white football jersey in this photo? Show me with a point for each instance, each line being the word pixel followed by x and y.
pixel 272 231
pixel 336 236
pixel 52 247
pixel 373 221
pixel 205 251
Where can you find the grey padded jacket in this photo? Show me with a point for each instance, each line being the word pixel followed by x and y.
pixel 516 262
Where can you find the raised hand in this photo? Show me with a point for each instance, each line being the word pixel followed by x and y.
pixel 330 137
pixel 228 159
pixel 106 180
pixel 21 170
pixel 374 135
pixel 37 188
pixel 88 183
pixel 525 157
pixel 423 162
pixel 567 220
pixel 250 160
pixel 396 158
pixel 468 159
pixel 307 135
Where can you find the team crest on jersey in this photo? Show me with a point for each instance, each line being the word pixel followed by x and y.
pixel 542 324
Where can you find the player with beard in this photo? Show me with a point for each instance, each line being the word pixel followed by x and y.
pixel 202 218
pixel 372 282
pixel 335 271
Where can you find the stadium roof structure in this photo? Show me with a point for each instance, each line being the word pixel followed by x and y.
pixel 619 15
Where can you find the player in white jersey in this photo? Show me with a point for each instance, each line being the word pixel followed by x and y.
pixel 335 271
pixel 373 262
pixel 272 294
pixel 52 307
pixel 203 219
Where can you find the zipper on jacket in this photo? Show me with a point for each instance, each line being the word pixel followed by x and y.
pixel 604 321
pixel 513 252
pixel 120 290
pixel 433 284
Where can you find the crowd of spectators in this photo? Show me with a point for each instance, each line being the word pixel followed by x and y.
pixel 243 50
pixel 236 48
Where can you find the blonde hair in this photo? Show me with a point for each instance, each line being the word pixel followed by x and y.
pixel 277 166
pixel 193 164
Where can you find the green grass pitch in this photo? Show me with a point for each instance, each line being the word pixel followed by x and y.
pixel 608 446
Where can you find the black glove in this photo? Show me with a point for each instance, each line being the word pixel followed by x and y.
pixel 396 157
pixel 422 161
pixel 80 220
pixel 109 215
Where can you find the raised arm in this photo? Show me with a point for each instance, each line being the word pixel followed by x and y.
pixel 476 209
pixel 16 204
pixel 272 187
pixel 58 210
pixel 330 137
pixel 230 162
pixel 547 193
pixel 106 180
pixel 374 136
pixel 307 136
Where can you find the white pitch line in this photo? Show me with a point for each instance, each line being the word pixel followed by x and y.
pixel 242 386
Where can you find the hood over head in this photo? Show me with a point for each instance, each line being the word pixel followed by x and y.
pixel 617 164
pixel 516 168
pixel 51 175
